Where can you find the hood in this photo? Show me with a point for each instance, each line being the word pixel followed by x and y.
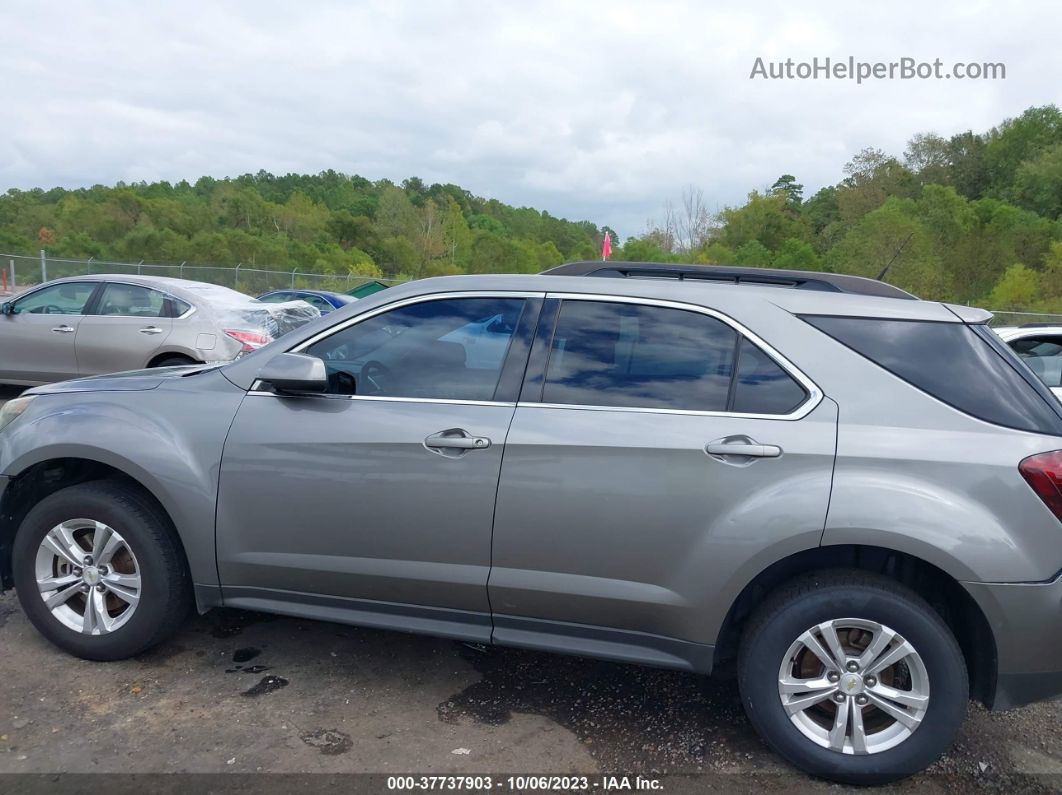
pixel 131 381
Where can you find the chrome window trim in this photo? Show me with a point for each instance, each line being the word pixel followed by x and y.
pixel 815 395
pixel 413 300
pixel 256 390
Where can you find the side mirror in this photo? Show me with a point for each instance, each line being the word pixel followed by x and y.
pixel 7 308
pixel 295 372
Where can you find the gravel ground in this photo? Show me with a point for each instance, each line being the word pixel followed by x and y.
pixel 239 692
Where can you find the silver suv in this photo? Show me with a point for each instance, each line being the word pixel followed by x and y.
pixel 849 497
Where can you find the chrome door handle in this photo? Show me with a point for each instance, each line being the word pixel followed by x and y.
pixel 744 448
pixel 455 442
pixel 151 330
pixel 63 329
pixel 456 439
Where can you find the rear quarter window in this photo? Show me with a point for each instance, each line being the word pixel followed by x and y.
pixel 955 363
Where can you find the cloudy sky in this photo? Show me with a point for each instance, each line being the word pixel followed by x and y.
pixel 597 110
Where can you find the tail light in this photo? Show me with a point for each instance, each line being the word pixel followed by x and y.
pixel 1044 473
pixel 250 340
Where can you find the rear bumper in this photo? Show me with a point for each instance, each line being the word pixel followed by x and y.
pixel 1026 620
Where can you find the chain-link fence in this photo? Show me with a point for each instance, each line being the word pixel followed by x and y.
pixel 1004 318
pixel 19 272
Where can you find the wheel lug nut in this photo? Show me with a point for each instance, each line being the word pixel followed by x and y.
pixel 861 700
pixel 88 560
pixel 100 588
pixel 833 676
pixel 839 698
pixel 104 571
pixel 84 589
pixel 870 681
pixel 852 665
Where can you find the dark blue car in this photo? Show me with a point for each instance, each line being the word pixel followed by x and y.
pixel 324 300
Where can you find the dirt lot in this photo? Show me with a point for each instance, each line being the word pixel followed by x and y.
pixel 245 692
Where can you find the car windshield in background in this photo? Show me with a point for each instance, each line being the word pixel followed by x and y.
pixel 1043 355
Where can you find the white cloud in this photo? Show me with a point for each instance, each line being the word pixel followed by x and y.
pixel 599 109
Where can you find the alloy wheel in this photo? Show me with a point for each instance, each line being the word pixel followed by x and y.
pixel 88 576
pixel 854 686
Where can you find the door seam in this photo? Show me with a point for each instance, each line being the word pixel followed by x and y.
pixel 833 467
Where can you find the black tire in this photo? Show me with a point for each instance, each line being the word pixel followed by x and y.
pixel 166 588
pixel 174 361
pixel 811 600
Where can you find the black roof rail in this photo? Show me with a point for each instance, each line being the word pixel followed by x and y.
pixel 798 280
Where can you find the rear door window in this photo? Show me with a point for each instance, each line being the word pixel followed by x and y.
pixel 639 356
pixel 131 300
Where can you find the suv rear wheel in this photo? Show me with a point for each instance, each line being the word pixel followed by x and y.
pixel 99 572
pixel 853 677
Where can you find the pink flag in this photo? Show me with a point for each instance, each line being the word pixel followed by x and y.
pixel 606 247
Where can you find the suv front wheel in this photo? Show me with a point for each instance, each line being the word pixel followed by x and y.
pixel 852 677
pixel 99 571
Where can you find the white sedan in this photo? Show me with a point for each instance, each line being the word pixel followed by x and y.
pixel 1040 346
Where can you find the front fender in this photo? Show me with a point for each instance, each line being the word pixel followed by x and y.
pixel 169 439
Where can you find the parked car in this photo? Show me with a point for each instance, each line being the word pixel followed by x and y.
pixel 90 325
pixel 365 289
pixel 1040 346
pixel 849 496
pixel 323 300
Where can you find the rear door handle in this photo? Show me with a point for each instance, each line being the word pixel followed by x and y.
pixel 745 449
pixel 151 330
pixel 456 439
pixel 63 329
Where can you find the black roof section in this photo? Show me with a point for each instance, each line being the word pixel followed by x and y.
pixel 771 277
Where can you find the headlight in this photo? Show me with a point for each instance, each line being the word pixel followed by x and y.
pixel 11 410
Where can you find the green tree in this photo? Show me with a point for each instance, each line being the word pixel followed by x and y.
pixel 1019 290
pixel 1038 183
pixel 765 219
pixel 797 255
pixel 753 253
pixel 787 184
pixel 1017 140
pixel 892 240
pixel 396 217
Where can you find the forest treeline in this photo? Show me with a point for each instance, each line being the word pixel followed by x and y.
pixel 326 223
pixel 972 218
